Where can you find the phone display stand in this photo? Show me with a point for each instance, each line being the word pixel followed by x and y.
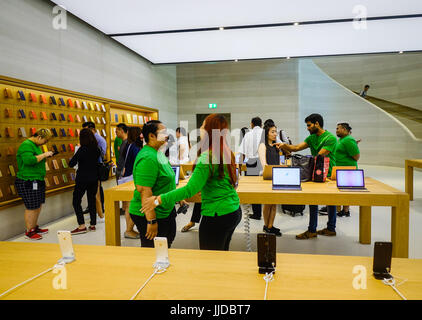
pixel 161 264
pixel 66 260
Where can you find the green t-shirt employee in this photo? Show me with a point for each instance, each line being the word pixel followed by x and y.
pixel 216 180
pixel 321 142
pixel 153 175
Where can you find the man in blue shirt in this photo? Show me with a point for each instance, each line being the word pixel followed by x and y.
pixel 103 146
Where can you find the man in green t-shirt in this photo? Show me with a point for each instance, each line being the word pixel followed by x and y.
pixel 321 142
pixel 347 154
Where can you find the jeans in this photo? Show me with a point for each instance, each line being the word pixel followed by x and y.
pixel 313 218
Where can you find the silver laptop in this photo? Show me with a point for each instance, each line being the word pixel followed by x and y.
pixel 286 178
pixel 350 180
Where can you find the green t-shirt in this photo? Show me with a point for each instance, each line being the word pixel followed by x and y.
pixel 152 169
pixel 217 195
pixel 28 166
pixel 325 141
pixel 117 144
pixel 347 147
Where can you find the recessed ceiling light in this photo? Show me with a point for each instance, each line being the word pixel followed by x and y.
pixel 235 60
pixel 296 23
pixel 287 58
pixel 400 52
pixel 221 28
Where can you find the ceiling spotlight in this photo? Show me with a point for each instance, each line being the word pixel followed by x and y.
pixel 235 60
pixel 400 52
pixel 296 23
pixel 221 28
pixel 287 58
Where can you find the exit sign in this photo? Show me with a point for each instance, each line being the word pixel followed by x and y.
pixel 212 106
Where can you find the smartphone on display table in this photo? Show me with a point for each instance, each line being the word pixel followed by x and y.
pixel 66 246
pixel 161 252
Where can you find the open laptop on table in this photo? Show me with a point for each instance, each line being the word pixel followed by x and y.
pixel 267 174
pixel 351 180
pixel 176 170
pixel 286 178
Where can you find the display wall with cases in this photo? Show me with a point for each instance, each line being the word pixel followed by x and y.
pixel 131 116
pixel 26 107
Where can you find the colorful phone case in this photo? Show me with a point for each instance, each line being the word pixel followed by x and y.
pixel 43 115
pixel 8 93
pixel 53 116
pixel 33 97
pixel 71 132
pixel 103 120
pixel 21 95
pixel 71 147
pixel 47 182
pixel 70 118
pixel 103 108
pixel 84 104
pixel 85 119
pixel 55 148
pixel 12 170
pixel 62 103
pixel 55 164
pixel 22 132
pixel 64 163
pixel 62 117
pixel 32 131
pixel 44 148
pixel 63 148
pixel 63 132
pixel 72 176
pixel 12 189
pixel 22 114
pixel 47 167
pixel 70 103
pixel 53 100
pixel 116 117
pixel 104 133
pixel 43 99
pixel 77 132
pixel 32 115
pixel 9 132
pixel 8 113
pixel 91 118
pixel 64 176
pixel 54 131
pixel 91 105
pixel 56 180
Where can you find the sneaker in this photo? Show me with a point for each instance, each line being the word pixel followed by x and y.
pixel 134 235
pixel 326 232
pixel 306 235
pixel 100 220
pixel 85 211
pixel 323 209
pixel 255 217
pixel 272 230
pixel 79 231
pixel 343 213
pixel 92 228
pixel 32 235
pixel 40 231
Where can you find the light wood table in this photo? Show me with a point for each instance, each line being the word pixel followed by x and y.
pixel 105 273
pixel 408 175
pixel 254 189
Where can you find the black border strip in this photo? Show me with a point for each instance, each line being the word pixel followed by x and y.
pixel 284 24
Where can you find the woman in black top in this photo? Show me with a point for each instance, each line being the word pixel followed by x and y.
pixel 269 155
pixel 86 179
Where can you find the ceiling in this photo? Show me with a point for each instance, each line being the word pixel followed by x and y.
pixel 181 31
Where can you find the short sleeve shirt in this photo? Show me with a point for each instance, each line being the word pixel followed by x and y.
pixel 152 169
pixel 325 141
pixel 347 148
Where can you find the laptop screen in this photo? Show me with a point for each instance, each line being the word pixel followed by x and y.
pixel 176 170
pixel 350 178
pixel 286 176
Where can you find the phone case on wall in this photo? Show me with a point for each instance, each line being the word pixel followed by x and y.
pixel 104 133
pixel 44 148
pixel 12 189
pixel 8 93
pixel 47 182
pixel 55 164
pixel 22 132
pixel 32 115
pixel 77 132
pixel 141 120
pixel 64 176
pixel 32 131
pixel 56 180
pixel 62 117
pixel 78 118
pixel 70 103
pixel 103 108
pixel 8 113
pixel 53 116
pixel 91 118
pixel 128 118
pixel 47 167
pixel 77 104
pixel 97 106
pixel 43 99
pixel 62 132
pixel 91 105
pixel 64 163
pixel 9 132
pixel 98 120
pixel 53 100
pixel 12 170
pixel 85 119
pixel 33 97
pixel 54 131
pixel 72 176
pixel 135 119
pixel 55 148
pixel 70 118
pixel 71 132
pixel 62 103
pixel 63 148
pixel 43 115
pixel 21 114
pixel 84 104
pixel 103 120
pixel 71 147
pixel 21 95
pixel 116 117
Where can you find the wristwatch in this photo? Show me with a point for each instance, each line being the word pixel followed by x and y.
pixel 152 221
pixel 156 202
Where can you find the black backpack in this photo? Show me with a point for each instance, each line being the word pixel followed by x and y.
pixel 306 165
pixel 293 209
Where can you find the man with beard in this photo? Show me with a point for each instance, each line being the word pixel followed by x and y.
pixel 321 142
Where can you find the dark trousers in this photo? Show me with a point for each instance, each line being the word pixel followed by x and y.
pixel 215 233
pixel 91 189
pixel 313 218
pixel 102 196
pixel 166 228
pixel 196 213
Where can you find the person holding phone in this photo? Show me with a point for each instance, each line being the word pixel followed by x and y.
pixel 153 175
pixel 214 174
pixel 30 183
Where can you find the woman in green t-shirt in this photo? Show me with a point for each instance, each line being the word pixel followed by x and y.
pixel 30 183
pixel 214 174
pixel 153 175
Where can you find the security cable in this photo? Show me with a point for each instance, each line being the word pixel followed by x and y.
pixel 157 270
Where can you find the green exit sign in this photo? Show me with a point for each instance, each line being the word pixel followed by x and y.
pixel 212 106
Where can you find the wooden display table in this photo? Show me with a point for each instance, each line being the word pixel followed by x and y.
pixel 105 272
pixel 256 190
pixel 408 175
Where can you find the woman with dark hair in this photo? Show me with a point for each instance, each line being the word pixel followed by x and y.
pixel 269 155
pixel 214 174
pixel 153 175
pixel 86 179
pixel 134 145
pixel 183 145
